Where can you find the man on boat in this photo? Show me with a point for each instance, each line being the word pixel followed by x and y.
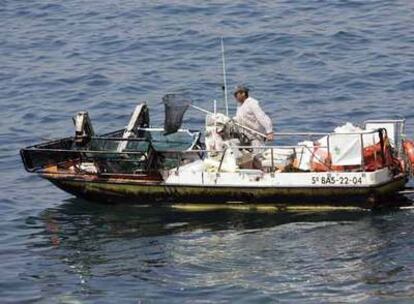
pixel 250 115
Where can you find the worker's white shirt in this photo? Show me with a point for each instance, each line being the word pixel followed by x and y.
pixel 250 114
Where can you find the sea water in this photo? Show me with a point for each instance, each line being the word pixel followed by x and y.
pixel 313 65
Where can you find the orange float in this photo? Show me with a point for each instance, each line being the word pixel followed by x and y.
pixel 408 146
pixel 375 157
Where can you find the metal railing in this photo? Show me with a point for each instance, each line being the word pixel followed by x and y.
pixel 144 157
pixel 299 149
pixel 399 130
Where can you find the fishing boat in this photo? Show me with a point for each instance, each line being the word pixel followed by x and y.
pixel 364 167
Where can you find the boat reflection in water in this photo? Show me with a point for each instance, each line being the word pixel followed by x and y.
pixel 170 252
pixel 92 218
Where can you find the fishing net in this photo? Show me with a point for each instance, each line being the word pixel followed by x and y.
pixel 175 107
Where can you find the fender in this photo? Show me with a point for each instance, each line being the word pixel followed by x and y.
pixel 408 146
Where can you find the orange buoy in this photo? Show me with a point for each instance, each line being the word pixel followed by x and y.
pixel 408 146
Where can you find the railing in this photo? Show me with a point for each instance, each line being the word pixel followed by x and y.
pixel 327 163
pixel 395 125
pixel 148 160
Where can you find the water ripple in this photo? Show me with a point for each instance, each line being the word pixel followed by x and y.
pixel 313 65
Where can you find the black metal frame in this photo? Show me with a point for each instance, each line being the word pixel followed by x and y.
pixel 59 152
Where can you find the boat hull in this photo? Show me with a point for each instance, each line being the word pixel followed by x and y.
pixel 153 192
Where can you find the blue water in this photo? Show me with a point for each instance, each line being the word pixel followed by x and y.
pixel 312 64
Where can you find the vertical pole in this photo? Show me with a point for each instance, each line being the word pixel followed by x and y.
pixel 221 163
pixel 362 152
pixel 328 160
pixel 178 163
pixel 224 77
pixel 273 161
pixel 375 152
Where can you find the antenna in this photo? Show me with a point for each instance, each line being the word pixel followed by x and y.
pixel 224 77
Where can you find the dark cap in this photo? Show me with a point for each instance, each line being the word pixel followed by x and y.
pixel 240 88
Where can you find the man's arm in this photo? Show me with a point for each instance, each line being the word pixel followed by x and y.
pixel 262 117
